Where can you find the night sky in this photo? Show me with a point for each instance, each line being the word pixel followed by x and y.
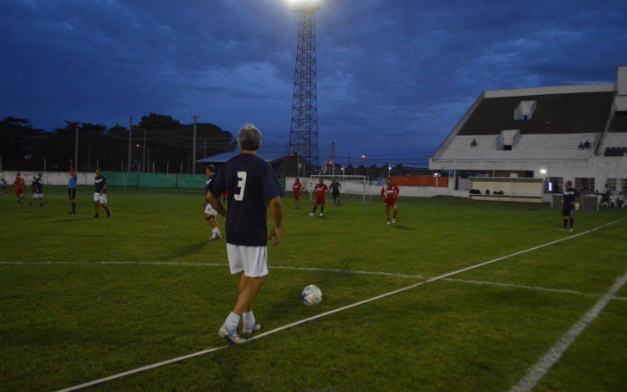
pixel 394 77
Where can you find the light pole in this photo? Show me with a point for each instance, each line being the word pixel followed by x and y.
pixel 195 117
pixel 367 167
pixel 147 149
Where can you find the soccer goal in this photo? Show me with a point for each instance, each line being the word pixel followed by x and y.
pixel 350 185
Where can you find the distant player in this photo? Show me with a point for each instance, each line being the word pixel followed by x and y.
pixel 100 196
pixel 4 187
pixel 389 194
pixel 569 197
pixel 38 191
pixel 71 190
pixel 252 188
pixel 335 188
pixel 210 213
pixel 321 196
pixel 20 184
pixel 298 191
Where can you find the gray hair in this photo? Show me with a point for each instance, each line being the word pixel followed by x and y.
pixel 249 138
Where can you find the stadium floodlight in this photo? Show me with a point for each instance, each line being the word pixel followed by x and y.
pixel 306 6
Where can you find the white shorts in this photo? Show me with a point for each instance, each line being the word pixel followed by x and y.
pixel 38 195
pixel 210 211
pixel 100 198
pixel 253 260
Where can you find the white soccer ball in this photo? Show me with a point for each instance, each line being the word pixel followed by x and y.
pixel 311 295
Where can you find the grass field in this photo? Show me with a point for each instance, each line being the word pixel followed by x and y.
pixel 82 299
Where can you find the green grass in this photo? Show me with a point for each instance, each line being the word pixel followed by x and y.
pixel 66 324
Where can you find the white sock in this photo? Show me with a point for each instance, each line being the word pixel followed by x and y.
pixel 216 231
pixel 232 322
pixel 249 319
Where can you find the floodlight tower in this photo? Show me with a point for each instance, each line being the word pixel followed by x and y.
pixel 304 128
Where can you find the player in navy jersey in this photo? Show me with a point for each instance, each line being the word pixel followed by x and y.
pixel 569 197
pixel 210 213
pixel 100 195
pixel 252 186
pixel 38 191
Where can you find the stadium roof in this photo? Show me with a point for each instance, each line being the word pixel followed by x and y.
pixel 585 112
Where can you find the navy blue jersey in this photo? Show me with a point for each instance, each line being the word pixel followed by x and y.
pixel 38 186
pixel 72 183
pixel 208 182
pixel 251 185
pixel 570 196
pixel 100 182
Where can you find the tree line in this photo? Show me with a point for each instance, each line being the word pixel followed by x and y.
pixel 168 142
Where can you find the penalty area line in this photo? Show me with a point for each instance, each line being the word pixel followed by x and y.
pixel 321 315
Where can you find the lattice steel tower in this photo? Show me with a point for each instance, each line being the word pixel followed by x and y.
pixel 304 128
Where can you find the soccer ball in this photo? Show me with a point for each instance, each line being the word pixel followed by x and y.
pixel 311 295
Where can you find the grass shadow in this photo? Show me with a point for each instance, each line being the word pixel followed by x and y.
pixel 186 251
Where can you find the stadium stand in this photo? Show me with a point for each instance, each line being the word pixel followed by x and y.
pixel 565 133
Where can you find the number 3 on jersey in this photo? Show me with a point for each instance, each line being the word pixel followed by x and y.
pixel 241 184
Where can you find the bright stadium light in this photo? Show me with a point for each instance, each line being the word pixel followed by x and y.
pixel 304 5
pixel 543 171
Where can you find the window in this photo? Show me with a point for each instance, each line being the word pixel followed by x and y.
pixel 585 185
pixel 624 184
pixel 507 147
pixel 554 185
pixel 611 184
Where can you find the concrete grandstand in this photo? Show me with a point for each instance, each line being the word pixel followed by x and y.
pixel 560 133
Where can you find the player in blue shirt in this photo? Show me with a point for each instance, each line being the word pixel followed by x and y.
pixel 252 186
pixel 569 197
pixel 210 213
pixel 71 190
pixel 4 187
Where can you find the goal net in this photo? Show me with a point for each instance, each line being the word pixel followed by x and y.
pixel 356 186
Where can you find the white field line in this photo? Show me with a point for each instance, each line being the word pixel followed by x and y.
pixel 516 286
pixel 332 270
pixel 168 263
pixel 321 315
pixel 537 371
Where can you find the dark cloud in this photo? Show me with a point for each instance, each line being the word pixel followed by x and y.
pixel 393 77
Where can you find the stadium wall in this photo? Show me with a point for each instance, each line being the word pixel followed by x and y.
pixel 50 178
pixel 353 188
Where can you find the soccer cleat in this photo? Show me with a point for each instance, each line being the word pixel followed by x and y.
pixel 393 220
pixel 109 213
pixel 215 236
pixel 389 223
pixel 72 213
pixel 30 206
pixel 571 229
pixel 250 331
pixel 312 214
pixel 231 336
pixel 96 216
pixel 562 229
pixel 321 214
pixel 42 207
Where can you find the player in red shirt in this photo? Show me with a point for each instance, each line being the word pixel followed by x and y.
pixel 321 196
pixel 298 190
pixel 389 194
pixel 19 187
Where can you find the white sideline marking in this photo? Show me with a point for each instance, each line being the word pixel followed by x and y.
pixel 516 286
pixel 208 265
pixel 535 373
pixel 167 263
pixel 306 320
